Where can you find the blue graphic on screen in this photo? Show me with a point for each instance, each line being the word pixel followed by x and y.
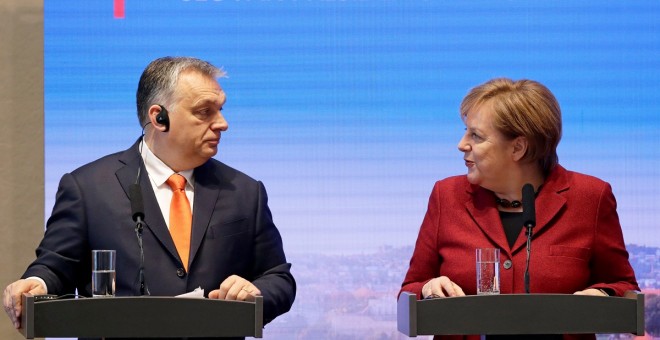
pixel 348 112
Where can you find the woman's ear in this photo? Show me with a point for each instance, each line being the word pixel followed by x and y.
pixel 520 145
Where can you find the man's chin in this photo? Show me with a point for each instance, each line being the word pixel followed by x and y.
pixel 210 152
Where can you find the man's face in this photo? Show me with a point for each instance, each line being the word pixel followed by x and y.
pixel 196 121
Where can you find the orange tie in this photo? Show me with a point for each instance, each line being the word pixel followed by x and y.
pixel 180 217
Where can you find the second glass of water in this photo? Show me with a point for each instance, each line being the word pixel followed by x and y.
pixel 103 273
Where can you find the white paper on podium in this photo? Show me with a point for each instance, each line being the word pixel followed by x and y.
pixel 198 293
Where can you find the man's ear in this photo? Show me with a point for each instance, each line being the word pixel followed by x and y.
pixel 520 146
pixel 159 118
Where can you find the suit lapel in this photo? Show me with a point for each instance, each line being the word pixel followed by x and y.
pixel 206 195
pixel 153 216
pixel 484 212
pixel 548 203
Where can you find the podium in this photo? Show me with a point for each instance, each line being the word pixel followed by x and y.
pixel 142 316
pixel 520 314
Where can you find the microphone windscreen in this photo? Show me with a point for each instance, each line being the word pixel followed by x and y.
pixel 529 212
pixel 137 206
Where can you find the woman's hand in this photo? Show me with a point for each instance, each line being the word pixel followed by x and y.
pixel 591 291
pixel 441 287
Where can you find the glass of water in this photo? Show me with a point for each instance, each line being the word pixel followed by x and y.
pixel 488 271
pixel 103 273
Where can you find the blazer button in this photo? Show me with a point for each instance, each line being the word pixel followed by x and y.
pixel 180 272
pixel 507 264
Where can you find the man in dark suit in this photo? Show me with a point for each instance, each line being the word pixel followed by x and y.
pixel 232 249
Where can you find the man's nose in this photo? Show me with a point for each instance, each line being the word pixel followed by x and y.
pixel 220 123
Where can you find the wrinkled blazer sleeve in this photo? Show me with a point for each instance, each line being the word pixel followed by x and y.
pixel 62 256
pixel 272 274
pixel 425 261
pixel 611 269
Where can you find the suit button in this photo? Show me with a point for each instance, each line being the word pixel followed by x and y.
pixel 507 264
pixel 180 272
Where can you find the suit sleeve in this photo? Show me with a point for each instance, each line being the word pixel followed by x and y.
pixel 271 271
pixel 611 269
pixel 61 256
pixel 425 260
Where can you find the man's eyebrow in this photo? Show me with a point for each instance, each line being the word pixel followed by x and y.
pixel 207 101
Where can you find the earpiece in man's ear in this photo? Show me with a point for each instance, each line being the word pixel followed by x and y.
pixel 163 118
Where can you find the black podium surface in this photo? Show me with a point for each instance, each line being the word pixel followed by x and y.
pixel 521 314
pixel 141 317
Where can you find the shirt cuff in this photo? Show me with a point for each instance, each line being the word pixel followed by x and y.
pixel 43 283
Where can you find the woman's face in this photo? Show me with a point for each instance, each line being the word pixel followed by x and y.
pixel 487 153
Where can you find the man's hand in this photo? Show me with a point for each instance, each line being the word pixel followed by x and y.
pixel 12 297
pixel 235 288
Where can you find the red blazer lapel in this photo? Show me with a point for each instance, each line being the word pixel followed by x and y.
pixel 548 204
pixel 483 210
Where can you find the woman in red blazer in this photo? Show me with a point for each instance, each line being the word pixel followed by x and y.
pixel 512 132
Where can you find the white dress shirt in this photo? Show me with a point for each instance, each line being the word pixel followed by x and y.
pixel 158 173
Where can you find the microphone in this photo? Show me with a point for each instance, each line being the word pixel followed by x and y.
pixel 137 209
pixel 529 222
pixel 137 206
pixel 529 211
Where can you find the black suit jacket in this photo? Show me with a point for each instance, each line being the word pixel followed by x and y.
pixel 232 233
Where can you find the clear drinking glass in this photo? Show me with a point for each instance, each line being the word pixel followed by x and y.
pixel 103 273
pixel 488 271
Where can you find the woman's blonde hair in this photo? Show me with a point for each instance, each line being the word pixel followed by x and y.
pixel 521 108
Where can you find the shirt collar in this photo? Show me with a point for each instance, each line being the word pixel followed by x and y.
pixel 159 172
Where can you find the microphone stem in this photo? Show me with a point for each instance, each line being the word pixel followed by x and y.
pixel 138 233
pixel 529 251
